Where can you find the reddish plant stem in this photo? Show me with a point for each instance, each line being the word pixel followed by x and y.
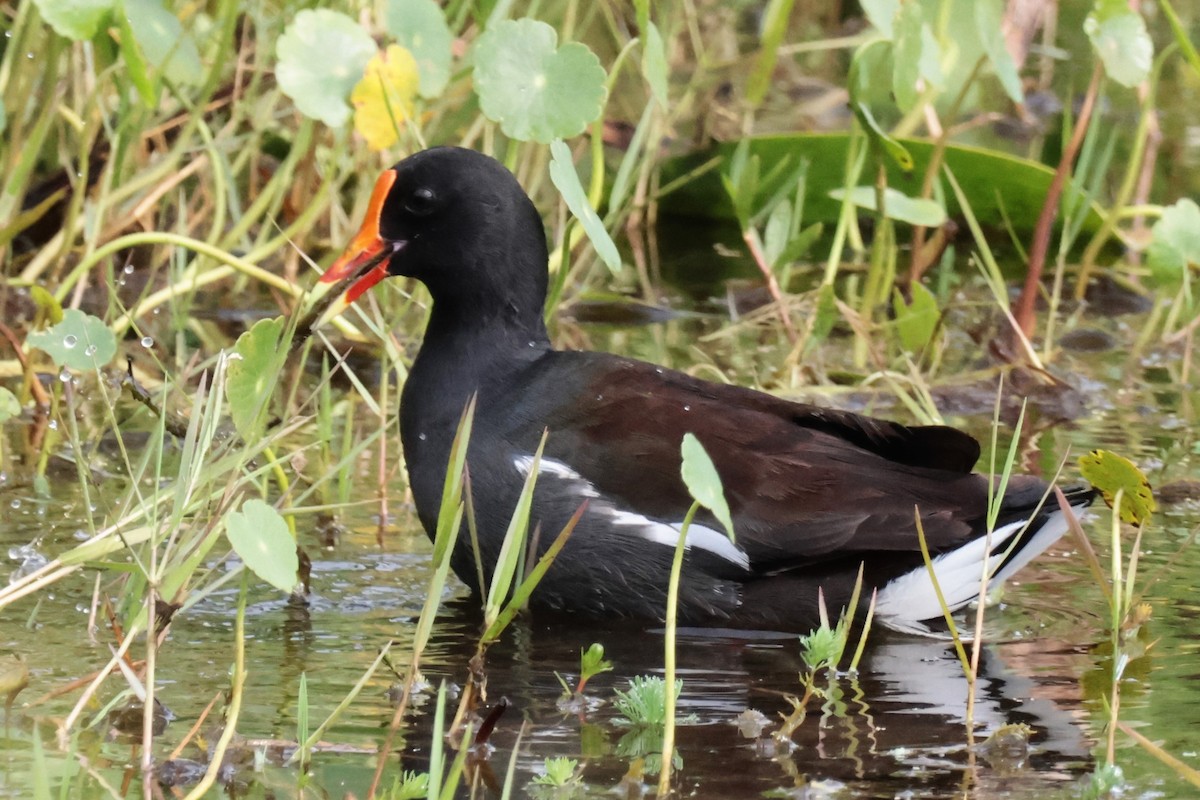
pixel 1040 246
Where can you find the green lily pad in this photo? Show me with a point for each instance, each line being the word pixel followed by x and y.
pixel 322 55
pixel 536 90
pixel 702 481
pixel 9 405
pixel 1121 40
pixel 1174 243
pixel 250 377
pixel 80 342
pixel 163 42
pixel 420 26
pixel 566 180
pixel 1111 473
pixel 897 205
pixel 75 19
pixel 260 537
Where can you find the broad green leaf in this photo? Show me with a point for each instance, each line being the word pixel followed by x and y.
pixel 881 14
pixel 1121 40
pixel 1109 472
pixel 80 342
pixel 536 90
pixel 917 320
pixel 997 185
pixel 163 42
pixel 420 26
pixel 566 180
pixel 702 481
pixel 654 63
pixel 1174 243
pixel 897 205
pixel 9 405
pixel 383 99
pixel 74 19
pixel 3 116
pixel 322 55
pixel 260 537
pixel 989 16
pixel 251 375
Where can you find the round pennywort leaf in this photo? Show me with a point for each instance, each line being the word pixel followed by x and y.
pixel 420 26
pixel 260 537
pixel 74 19
pixel 536 90
pixel 322 55
pixel 80 342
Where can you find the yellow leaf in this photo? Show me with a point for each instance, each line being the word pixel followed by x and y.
pixel 383 99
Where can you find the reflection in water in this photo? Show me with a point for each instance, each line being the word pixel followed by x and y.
pixel 898 727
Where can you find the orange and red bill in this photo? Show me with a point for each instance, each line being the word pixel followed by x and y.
pixel 365 260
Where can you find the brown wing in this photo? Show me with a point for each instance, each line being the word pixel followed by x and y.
pixel 803 483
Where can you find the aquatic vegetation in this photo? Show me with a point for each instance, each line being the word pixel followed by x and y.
pixel 193 471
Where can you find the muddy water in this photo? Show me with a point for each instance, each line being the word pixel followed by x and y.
pixel 894 730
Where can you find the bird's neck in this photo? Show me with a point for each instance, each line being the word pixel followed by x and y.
pixel 467 347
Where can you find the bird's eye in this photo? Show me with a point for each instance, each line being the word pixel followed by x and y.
pixel 421 201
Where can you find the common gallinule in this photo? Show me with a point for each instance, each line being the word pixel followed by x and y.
pixel 813 492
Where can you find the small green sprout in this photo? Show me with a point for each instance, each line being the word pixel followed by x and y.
pixel 409 786
pixel 644 702
pixel 558 772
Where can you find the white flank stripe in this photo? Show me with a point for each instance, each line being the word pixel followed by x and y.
pixel 700 536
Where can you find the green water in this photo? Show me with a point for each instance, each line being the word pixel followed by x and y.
pixel 897 730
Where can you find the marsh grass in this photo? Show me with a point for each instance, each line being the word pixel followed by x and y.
pixel 220 189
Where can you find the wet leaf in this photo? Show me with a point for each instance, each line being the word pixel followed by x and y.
pixel 897 205
pixel 420 27
pixel 322 55
pixel 536 90
pixel 1119 35
pixel 1174 243
pixel 163 41
pixel 250 377
pixel 1109 472
pixel 9 405
pixel 702 481
pixel 989 16
pixel 917 320
pixel 383 99
pixel 654 63
pixel 260 537
pixel 566 180
pixel 80 342
pixel 74 19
